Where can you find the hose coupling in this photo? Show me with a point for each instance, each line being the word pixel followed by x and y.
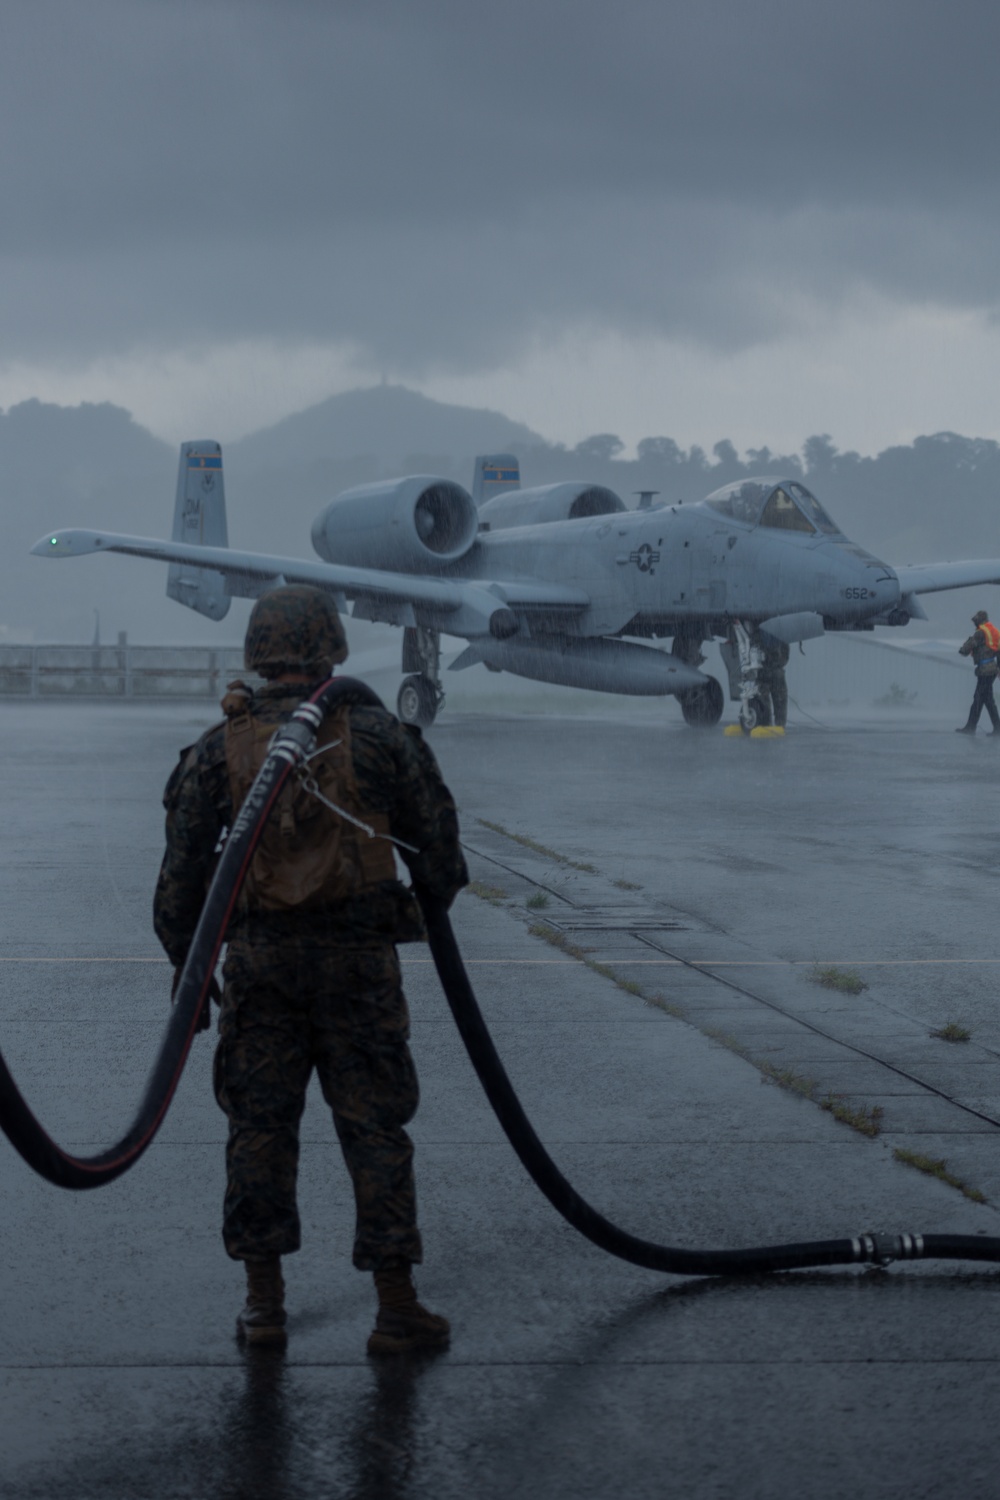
pixel 879 1249
pixel 308 713
pixel 295 739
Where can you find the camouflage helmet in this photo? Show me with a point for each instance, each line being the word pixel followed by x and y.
pixel 980 617
pixel 294 629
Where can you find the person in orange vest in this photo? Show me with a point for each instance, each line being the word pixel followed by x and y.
pixel 983 647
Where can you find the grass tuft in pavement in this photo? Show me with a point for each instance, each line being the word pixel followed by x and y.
pixel 626 885
pixel 537 901
pixel 556 939
pixel 951 1031
pixel 536 847
pixel 491 893
pixel 785 1078
pixel 939 1169
pixel 865 1118
pixel 669 1006
pixel 727 1040
pixel 573 950
pixel 847 981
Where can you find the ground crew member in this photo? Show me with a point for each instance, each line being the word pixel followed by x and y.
pixel 311 971
pixel 982 646
pixel 771 678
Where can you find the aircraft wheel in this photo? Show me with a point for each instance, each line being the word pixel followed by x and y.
pixel 757 716
pixel 702 706
pixel 417 701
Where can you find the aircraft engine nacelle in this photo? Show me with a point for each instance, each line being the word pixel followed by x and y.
pixel 404 524
pixel 549 502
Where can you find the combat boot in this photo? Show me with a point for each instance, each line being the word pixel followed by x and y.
pixel 262 1320
pixel 402 1325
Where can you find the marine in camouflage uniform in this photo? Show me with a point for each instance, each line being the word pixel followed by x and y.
pixel 982 647
pixel 317 984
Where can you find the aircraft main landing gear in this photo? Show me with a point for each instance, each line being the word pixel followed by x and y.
pixel 420 694
pixel 702 706
pixel 417 701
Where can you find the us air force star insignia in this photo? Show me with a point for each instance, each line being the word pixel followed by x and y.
pixel 644 558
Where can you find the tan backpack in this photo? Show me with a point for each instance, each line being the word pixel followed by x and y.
pixel 308 857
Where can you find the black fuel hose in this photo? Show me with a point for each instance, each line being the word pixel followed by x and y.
pixel 292 743
pixel 290 747
pixel 876 1248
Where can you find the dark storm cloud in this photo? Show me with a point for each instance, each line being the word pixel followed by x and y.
pixel 438 182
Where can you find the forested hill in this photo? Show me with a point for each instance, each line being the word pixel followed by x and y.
pixel 92 465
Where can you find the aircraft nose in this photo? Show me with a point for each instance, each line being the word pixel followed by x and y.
pixel 866 585
pixel 885 584
pixel 872 580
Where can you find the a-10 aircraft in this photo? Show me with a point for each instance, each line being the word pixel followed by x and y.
pixel 561 583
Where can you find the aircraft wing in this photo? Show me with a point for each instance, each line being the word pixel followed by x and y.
pixel 932 578
pixel 470 601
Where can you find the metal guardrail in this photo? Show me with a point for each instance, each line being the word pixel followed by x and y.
pixel 120 671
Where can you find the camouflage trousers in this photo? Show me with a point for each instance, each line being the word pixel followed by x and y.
pixel 340 1010
pixel 773 685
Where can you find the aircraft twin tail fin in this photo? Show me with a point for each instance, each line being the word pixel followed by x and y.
pixel 200 518
pixel 494 473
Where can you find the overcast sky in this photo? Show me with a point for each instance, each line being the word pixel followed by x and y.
pixel 754 219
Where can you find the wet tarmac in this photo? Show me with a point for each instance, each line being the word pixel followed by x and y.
pixel 650 907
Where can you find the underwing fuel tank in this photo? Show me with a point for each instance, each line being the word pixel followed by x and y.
pixel 604 666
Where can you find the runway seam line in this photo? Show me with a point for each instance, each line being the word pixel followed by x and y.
pixel 236 1363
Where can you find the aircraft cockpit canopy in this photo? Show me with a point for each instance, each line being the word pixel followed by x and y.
pixel 780 506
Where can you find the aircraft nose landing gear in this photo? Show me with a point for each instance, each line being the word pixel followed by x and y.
pixel 755 710
pixel 420 694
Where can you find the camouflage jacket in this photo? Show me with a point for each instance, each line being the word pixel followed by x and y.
pixel 982 653
pixel 776 656
pixel 396 775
